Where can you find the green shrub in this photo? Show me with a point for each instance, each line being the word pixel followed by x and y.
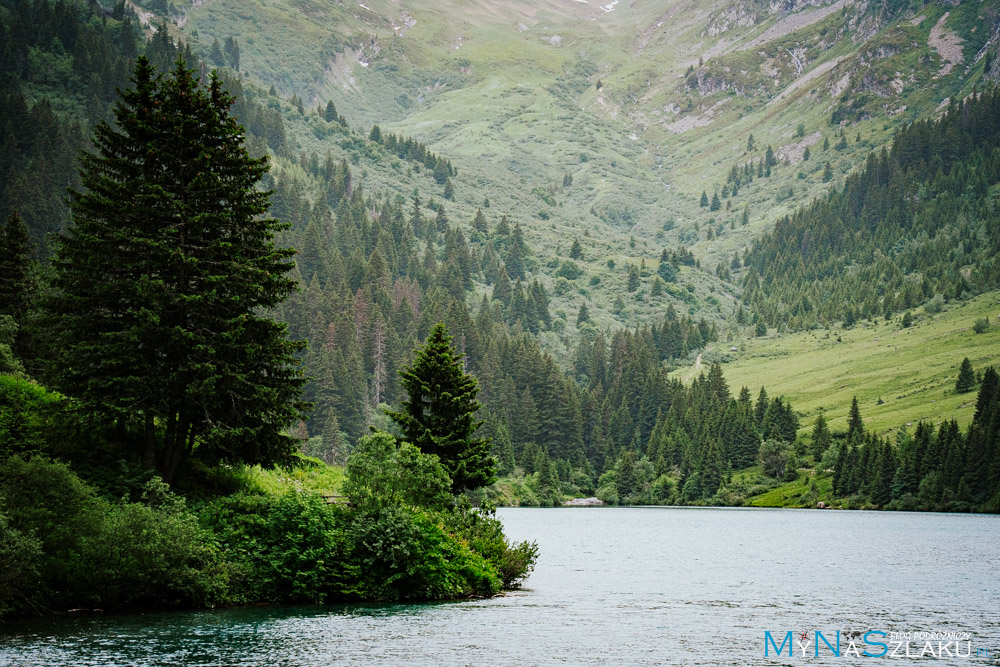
pixel 935 305
pixel 97 553
pixel 289 548
pixel 9 363
pixel 24 407
pixel 483 532
pixel 46 501
pixel 380 474
pixel 569 270
pixel 155 553
pixel 403 554
pixel 20 556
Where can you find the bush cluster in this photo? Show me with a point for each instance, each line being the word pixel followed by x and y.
pixel 400 536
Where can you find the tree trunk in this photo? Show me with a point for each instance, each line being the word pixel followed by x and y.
pixel 149 457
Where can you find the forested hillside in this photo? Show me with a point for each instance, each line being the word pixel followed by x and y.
pixel 379 269
pixel 917 223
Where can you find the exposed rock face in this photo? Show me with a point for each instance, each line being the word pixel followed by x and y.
pixel 746 13
pixel 583 502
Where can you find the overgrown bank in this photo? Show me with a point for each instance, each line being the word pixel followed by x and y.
pixel 95 531
pixel 154 320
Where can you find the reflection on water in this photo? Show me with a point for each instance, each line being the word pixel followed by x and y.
pixel 638 586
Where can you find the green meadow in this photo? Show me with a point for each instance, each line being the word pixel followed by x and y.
pixel 912 370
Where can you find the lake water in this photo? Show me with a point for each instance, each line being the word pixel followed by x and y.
pixel 635 586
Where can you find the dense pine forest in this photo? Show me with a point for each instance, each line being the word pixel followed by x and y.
pixel 916 224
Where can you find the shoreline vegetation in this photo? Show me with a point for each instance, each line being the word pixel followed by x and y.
pixel 928 469
pixel 164 473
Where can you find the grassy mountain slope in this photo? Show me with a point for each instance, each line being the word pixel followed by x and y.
pixel 605 122
pixel 643 106
pixel 912 370
pixel 518 92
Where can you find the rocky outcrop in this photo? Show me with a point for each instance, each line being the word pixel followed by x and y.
pixel 583 502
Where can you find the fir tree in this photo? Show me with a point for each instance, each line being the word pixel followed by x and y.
pixel 576 250
pixel 15 267
pixel 666 270
pixel 855 425
pixel 161 280
pixel 656 289
pixel 232 49
pixel 479 222
pixel 704 199
pixel 215 56
pixel 989 391
pixel 516 254
pixel 966 378
pixel 821 437
pixel 441 172
pixel 827 173
pixel 439 415
pixel 330 113
pixel 760 409
pixel 632 283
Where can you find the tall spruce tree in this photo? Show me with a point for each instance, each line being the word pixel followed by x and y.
pixel 15 262
pixel 966 378
pixel 516 254
pixel 439 415
pixel 821 437
pixel 162 277
pixel 855 425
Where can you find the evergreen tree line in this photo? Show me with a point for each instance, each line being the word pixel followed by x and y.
pixel 666 442
pixel 71 58
pixel 378 276
pixel 917 222
pixel 406 148
pixel 933 469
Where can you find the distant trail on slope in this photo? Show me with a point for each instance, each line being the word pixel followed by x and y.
pixel 697 367
pixel 819 71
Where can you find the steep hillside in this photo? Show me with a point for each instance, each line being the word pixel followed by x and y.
pixel 604 123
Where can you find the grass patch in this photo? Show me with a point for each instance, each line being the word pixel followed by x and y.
pixel 912 371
